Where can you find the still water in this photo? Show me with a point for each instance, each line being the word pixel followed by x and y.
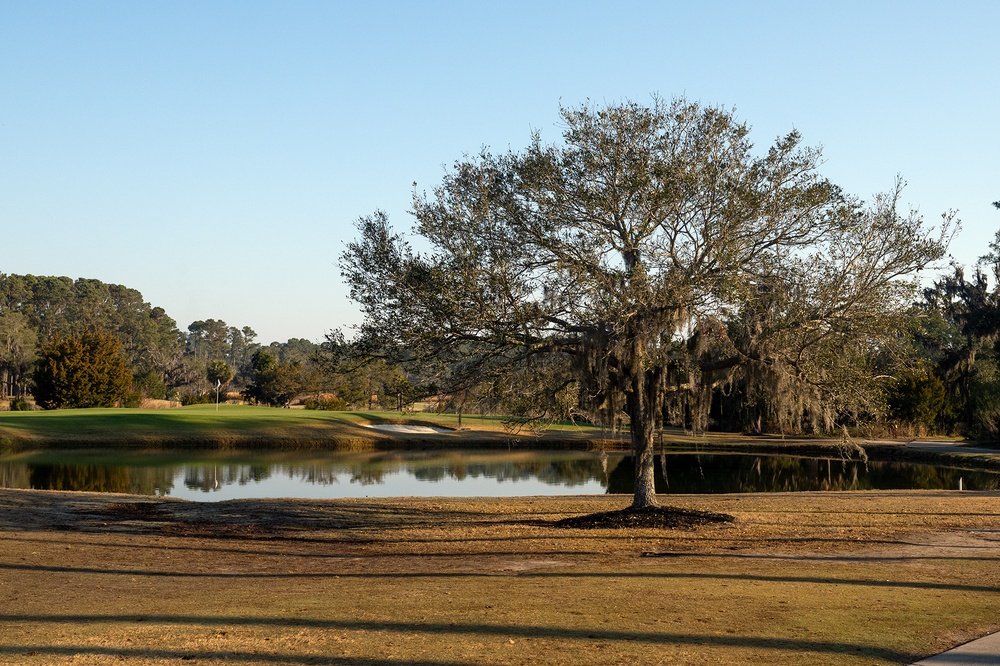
pixel 213 477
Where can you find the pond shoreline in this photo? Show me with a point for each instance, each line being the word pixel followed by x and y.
pixel 924 450
pixel 218 475
pixel 237 428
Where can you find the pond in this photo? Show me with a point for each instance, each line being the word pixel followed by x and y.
pixel 215 477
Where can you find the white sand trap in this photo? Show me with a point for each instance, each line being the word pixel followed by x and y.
pixel 414 429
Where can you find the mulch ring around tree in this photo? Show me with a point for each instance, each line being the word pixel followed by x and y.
pixel 653 516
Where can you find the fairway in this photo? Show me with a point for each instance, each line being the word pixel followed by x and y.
pixel 239 426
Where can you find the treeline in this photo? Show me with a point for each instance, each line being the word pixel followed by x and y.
pixel 947 383
pixel 79 343
pixel 951 382
pixel 948 379
pixel 36 311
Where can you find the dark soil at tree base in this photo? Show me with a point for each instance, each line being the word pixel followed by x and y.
pixel 651 516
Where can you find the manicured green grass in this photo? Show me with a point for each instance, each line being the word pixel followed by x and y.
pixel 197 417
pixel 240 426
pixel 195 425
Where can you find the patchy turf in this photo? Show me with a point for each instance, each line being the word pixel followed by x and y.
pixel 810 578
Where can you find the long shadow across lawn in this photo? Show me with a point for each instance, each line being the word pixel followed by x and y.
pixel 501 630
pixel 535 552
pixel 916 585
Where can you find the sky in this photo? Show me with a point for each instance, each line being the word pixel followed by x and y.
pixel 215 155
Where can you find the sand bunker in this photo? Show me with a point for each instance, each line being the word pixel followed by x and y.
pixel 415 429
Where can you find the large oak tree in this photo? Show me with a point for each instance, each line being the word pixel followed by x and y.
pixel 657 254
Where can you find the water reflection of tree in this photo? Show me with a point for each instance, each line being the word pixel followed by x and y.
pixel 315 474
pixel 254 473
pixel 747 473
pixel 201 478
pixel 368 476
pixel 564 471
pixel 100 478
pixel 15 475
pixel 213 477
pixel 705 473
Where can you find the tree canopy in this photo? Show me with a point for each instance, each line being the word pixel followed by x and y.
pixel 35 310
pixel 17 352
pixel 273 383
pixel 651 255
pixel 51 306
pixel 85 370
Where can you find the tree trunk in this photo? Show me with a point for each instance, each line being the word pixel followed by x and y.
pixel 645 468
pixel 642 402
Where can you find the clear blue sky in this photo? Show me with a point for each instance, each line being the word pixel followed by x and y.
pixel 215 155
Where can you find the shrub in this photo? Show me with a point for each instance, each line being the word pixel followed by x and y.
pixel 330 403
pixel 132 399
pixel 918 398
pixel 197 399
pixel 19 405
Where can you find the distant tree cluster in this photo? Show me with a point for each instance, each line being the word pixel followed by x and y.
pixel 76 343
pixel 951 380
pixel 35 310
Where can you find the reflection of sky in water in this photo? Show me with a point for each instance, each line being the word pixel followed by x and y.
pixel 400 483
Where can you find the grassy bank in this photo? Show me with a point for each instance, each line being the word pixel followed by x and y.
pixel 246 427
pixel 811 578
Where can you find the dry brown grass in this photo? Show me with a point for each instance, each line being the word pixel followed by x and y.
pixel 151 403
pixel 826 578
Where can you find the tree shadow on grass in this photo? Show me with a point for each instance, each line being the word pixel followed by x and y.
pixel 561 574
pixel 443 630
pixel 161 547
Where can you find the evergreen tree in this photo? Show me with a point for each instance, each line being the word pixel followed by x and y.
pixel 86 370
pixel 274 384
